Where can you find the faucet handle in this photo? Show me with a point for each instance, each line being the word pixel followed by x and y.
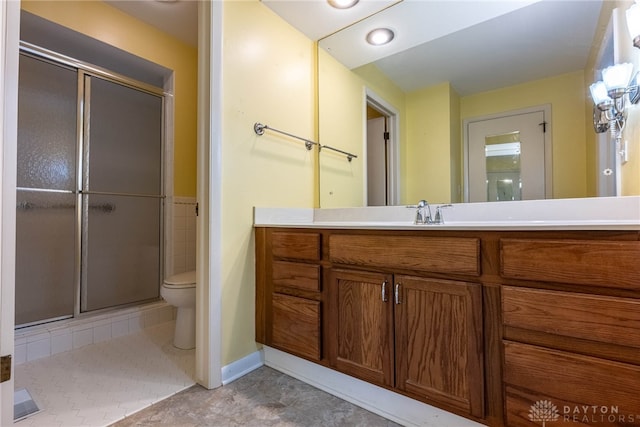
pixel 421 204
pixel 439 219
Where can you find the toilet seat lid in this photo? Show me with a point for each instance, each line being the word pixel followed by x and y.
pixel 187 279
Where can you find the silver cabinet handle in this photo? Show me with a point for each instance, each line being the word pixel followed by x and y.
pixel 397 293
pixel 384 291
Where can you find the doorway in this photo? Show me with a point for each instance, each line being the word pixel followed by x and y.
pixel 508 156
pixel 381 149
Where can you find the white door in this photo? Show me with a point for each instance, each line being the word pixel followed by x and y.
pixel 9 37
pixel 508 158
pixel 376 162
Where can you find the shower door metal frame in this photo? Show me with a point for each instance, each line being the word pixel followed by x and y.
pixel 85 72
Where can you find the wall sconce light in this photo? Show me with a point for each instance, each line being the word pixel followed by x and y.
pixel 633 23
pixel 611 97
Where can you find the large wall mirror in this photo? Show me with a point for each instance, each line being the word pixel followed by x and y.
pixel 449 94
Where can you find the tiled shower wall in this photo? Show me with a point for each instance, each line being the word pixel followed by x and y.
pixel 184 234
pixel 45 340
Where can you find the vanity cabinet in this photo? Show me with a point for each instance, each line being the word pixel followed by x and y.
pixel 439 342
pixel 571 314
pixel 420 335
pixel 289 286
pixel 485 324
pixel 361 333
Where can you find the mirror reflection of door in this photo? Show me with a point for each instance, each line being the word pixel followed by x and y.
pixel 382 156
pixel 377 165
pixel 508 157
pixel 382 172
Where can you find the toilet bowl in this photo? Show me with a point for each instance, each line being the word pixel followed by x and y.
pixel 180 291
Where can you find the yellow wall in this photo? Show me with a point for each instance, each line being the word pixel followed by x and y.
pixel 431 128
pixel 456 152
pixel 268 76
pixel 341 125
pixel 566 94
pixel 428 154
pixel 110 25
pixel 342 118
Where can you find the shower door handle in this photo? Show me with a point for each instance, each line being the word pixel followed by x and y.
pixel 104 207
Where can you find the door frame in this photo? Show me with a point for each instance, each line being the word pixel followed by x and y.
pixel 208 322
pixel 393 120
pixel 9 41
pixel 548 147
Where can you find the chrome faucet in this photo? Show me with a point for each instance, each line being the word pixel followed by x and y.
pixel 423 213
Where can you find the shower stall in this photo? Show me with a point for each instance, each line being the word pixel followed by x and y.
pixel 90 194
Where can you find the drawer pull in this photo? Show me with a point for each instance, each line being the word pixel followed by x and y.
pixel 397 293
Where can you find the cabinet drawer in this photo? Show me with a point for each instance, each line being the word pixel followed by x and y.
pixel 296 275
pixel 578 386
pixel 597 318
pixel 303 246
pixel 582 262
pixel 456 255
pixel 296 325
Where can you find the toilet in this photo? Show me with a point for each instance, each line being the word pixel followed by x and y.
pixel 180 291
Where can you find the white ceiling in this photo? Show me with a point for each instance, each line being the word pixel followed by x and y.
pixel 178 18
pixel 544 39
pixel 477 45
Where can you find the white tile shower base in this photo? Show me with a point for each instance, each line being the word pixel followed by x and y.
pixel 101 383
pixel 40 341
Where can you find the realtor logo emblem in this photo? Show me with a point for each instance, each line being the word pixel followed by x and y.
pixel 543 411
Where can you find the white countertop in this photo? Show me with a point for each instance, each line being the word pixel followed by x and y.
pixel 601 213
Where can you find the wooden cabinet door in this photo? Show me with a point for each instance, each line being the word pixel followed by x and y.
pixel 439 355
pixel 361 325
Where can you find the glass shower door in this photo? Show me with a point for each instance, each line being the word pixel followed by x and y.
pixel 122 195
pixel 46 217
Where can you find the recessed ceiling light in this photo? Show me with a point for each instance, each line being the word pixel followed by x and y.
pixel 380 36
pixel 342 4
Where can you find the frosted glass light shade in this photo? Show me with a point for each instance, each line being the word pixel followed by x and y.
pixel 599 93
pixel 633 21
pixel 617 76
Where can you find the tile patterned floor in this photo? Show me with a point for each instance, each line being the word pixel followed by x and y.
pixel 262 398
pixel 101 383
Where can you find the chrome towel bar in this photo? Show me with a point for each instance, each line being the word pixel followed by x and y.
pixel 259 129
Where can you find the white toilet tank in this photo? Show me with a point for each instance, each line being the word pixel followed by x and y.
pixel 181 280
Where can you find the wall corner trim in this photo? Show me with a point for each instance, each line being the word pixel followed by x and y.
pixel 242 367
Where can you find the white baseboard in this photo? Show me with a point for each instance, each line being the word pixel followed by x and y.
pixel 241 367
pixel 385 403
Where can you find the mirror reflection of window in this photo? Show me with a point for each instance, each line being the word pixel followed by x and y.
pixel 502 157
